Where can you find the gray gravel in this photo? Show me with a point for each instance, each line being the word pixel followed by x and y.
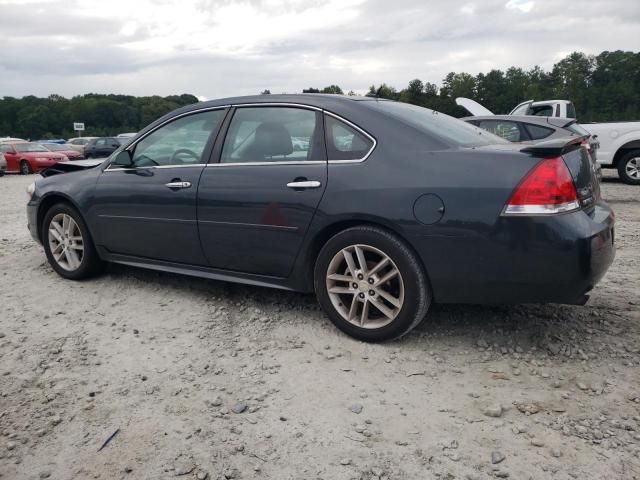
pixel 521 392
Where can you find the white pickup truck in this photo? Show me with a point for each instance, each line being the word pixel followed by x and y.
pixel 619 141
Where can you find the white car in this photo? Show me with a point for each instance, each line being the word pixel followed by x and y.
pixel 619 141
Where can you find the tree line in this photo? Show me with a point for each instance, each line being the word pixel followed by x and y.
pixel 605 87
pixel 53 117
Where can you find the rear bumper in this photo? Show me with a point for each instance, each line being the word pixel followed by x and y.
pixel 553 259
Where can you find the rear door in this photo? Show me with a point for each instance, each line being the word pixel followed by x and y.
pixel 149 210
pixel 256 202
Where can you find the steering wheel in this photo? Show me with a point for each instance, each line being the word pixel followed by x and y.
pixel 183 150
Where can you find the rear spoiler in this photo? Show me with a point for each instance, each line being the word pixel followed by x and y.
pixel 555 148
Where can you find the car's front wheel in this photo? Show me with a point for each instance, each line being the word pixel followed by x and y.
pixel 629 168
pixel 25 168
pixel 371 284
pixel 68 245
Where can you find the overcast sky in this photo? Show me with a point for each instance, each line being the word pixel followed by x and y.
pixel 217 48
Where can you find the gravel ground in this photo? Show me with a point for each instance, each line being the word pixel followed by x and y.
pixel 203 379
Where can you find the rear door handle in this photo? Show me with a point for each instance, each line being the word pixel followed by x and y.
pixel 304 184
pixel 178 184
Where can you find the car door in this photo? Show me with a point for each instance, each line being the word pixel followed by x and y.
pixel 256 202
pixel 149 209
pixel 11 158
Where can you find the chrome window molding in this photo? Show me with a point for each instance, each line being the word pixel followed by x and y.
pixel 254 164
pixel 119 169
pixel 278 104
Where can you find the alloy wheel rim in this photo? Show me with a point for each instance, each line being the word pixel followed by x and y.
pixel 633 168
pixel 365 286
pixel 66 242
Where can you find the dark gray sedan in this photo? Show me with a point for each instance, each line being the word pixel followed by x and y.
pixel 380 208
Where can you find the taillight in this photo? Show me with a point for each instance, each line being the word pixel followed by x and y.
pixel 586 145
pixel 546 189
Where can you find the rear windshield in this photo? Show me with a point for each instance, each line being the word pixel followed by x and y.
pixel 576 128
pixel 449 129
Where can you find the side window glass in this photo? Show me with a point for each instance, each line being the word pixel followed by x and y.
pixel 537 132
pixel 5 148
pixel 101 142
pixel 505 129
pixel 180 142
pixel 273 134
pixel 345 142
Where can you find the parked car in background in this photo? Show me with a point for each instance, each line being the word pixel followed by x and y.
pixel 127 135
pixel 11 140
pixel 101 147
pixel 533 129
pixel 619 142
pixel 54 140
pixel 382 210
pixel 3 165
pixel 78 143
pixel 28 158
pixel 64 149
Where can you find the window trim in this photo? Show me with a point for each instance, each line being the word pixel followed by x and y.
pixel 217 163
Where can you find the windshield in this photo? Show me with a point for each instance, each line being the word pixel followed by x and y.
pixel 575 128
pixel 29 147
pixel 54 147
pixel 447 128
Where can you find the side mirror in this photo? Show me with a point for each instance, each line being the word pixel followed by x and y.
pixel 123 160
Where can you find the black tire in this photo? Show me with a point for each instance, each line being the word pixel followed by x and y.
pixel 624 164
pixel 25 167
pixel 90 264
pixel 417 293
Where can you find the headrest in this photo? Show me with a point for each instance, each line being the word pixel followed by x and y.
pixel 272 139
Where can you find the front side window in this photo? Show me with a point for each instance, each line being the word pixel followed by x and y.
pixel 536 132
pixel 273 134
pixel 101 142
pixel 180 142
pixel 345 142
pixel 506 129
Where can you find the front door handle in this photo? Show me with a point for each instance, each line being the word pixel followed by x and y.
pixel 304 184
pixel 178 184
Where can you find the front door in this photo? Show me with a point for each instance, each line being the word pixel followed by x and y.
pixel 256 203
pixel 149 210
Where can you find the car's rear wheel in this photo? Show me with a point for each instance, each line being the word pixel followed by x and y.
pixel 629 168
pixel 371 284
pixel 25 168
pixel 68 245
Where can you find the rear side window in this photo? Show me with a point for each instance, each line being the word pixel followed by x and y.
pixel 571 110
pixel 503 128
pixel 273 134
pixel 536 132
pixel 345 142
pixel 450 130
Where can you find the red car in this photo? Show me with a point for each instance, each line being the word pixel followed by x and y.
pixel 29 157
pixel 63 149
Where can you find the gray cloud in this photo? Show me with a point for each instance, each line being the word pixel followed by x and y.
pixel 218 48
